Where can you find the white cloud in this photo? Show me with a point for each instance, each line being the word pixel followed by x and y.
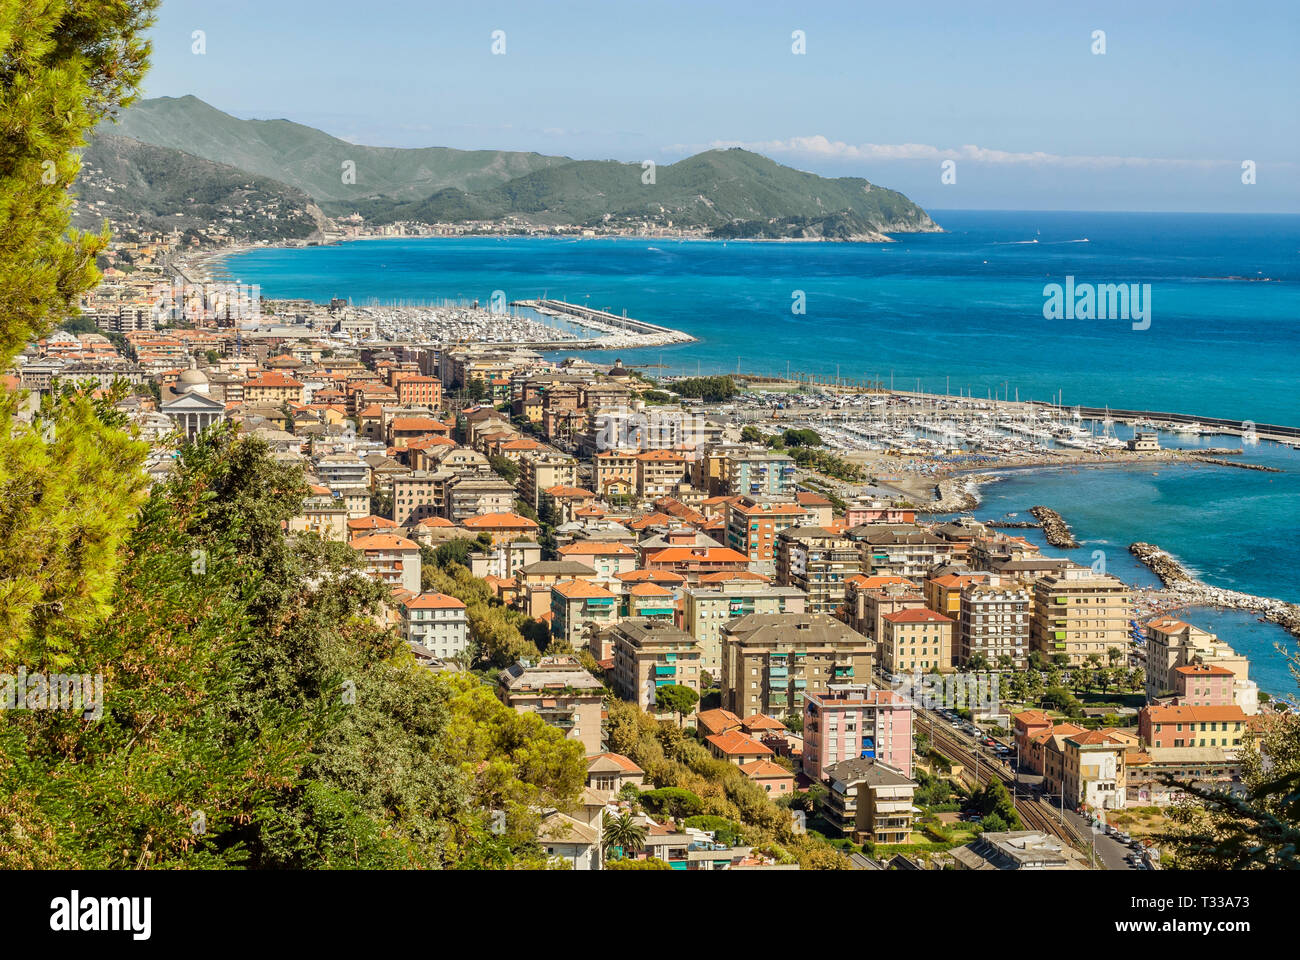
pixel 821 147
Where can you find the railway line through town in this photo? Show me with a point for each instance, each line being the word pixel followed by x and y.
pixel 1034 813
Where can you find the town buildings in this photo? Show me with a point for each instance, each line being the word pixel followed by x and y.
pixel 856 720
pixel 770 662
pixel 560 692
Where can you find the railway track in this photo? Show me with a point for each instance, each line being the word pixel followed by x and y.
pixel 1034 814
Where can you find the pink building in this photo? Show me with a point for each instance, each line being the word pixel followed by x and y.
pixel 1204 685
pixel 854 720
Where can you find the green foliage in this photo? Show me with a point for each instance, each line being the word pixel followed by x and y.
pixel 505 468
pixel 676 699
pixel 249 687
pixel 723 830
pixel 649 863
pixel 671 759
pixel 993 800
pixel 708 389
pixel 801 438
pixel 1063 700
pixel 672 801
pixel 623 835
pixel 828 464
pixel 70 484
pixel 66 66
pixel 498 631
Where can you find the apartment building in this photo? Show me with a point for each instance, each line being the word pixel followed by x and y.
pixel 437 622
pixel 943 593
pixel 538 472
pixel 759 472
pixel 1187 726
pixel 868 599
pixel 818 562
pixel 469 495
pixel 560 692
pixel 995 623
pixel 869 800
pixel 576 603
pixel 273 388
pixel 1094 773
pixel 915 640
pixel 1078 612
pixel 613 469
pixel 659 473
pixel 391 559
pixel 419 391
pixel 770 662
pixel 649 654
pixel 1204 685
pixel 707 607
pixel 608 558
pixel 752 527
pixel 856 720
pixel 419 495
pixel 900 550
pixel 1171 644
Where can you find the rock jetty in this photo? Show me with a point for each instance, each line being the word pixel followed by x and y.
pixel 1184 590
pixel 956 494
pixel 1055 528
pixel 1239 466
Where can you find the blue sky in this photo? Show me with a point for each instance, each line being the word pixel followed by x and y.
pixel 1010 92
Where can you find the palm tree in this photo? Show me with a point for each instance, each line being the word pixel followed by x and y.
pixel 624 833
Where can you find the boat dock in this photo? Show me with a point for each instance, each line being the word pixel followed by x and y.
pixel 604 320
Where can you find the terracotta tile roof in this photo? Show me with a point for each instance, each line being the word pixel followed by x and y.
pixel 1204 670
pixel 761 721
pixel 371 523
pixel 650 576
pixel 499 520
pixel 765 770
pixel 581 590
pixel 595 548
pixel 1189 714
pixel 727 576
pixel 383 541
pixel 619 759
pixel 916 615
pixel 272 379
pixel 435 522
pixel 807 499
pixel 418 423
pixel 433 601
pixel 709 554
pixel 649 590
pixel 733 743
pixel 575 493
pixel 1035 717
pixel 875 583
pixel 718 720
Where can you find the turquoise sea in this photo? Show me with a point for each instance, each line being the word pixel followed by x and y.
pixel 962 310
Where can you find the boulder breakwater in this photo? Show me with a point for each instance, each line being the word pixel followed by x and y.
pixel 1054 527
pixel 1181 589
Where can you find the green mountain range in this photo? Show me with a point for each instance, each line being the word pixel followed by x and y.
pixel 731 193
pixel 138 186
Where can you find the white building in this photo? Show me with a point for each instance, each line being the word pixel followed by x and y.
pixel 437 622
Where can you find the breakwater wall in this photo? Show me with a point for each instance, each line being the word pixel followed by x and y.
pixel 1054 527
pixel 1187 591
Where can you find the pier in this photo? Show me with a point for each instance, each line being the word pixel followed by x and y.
pixel 604 320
